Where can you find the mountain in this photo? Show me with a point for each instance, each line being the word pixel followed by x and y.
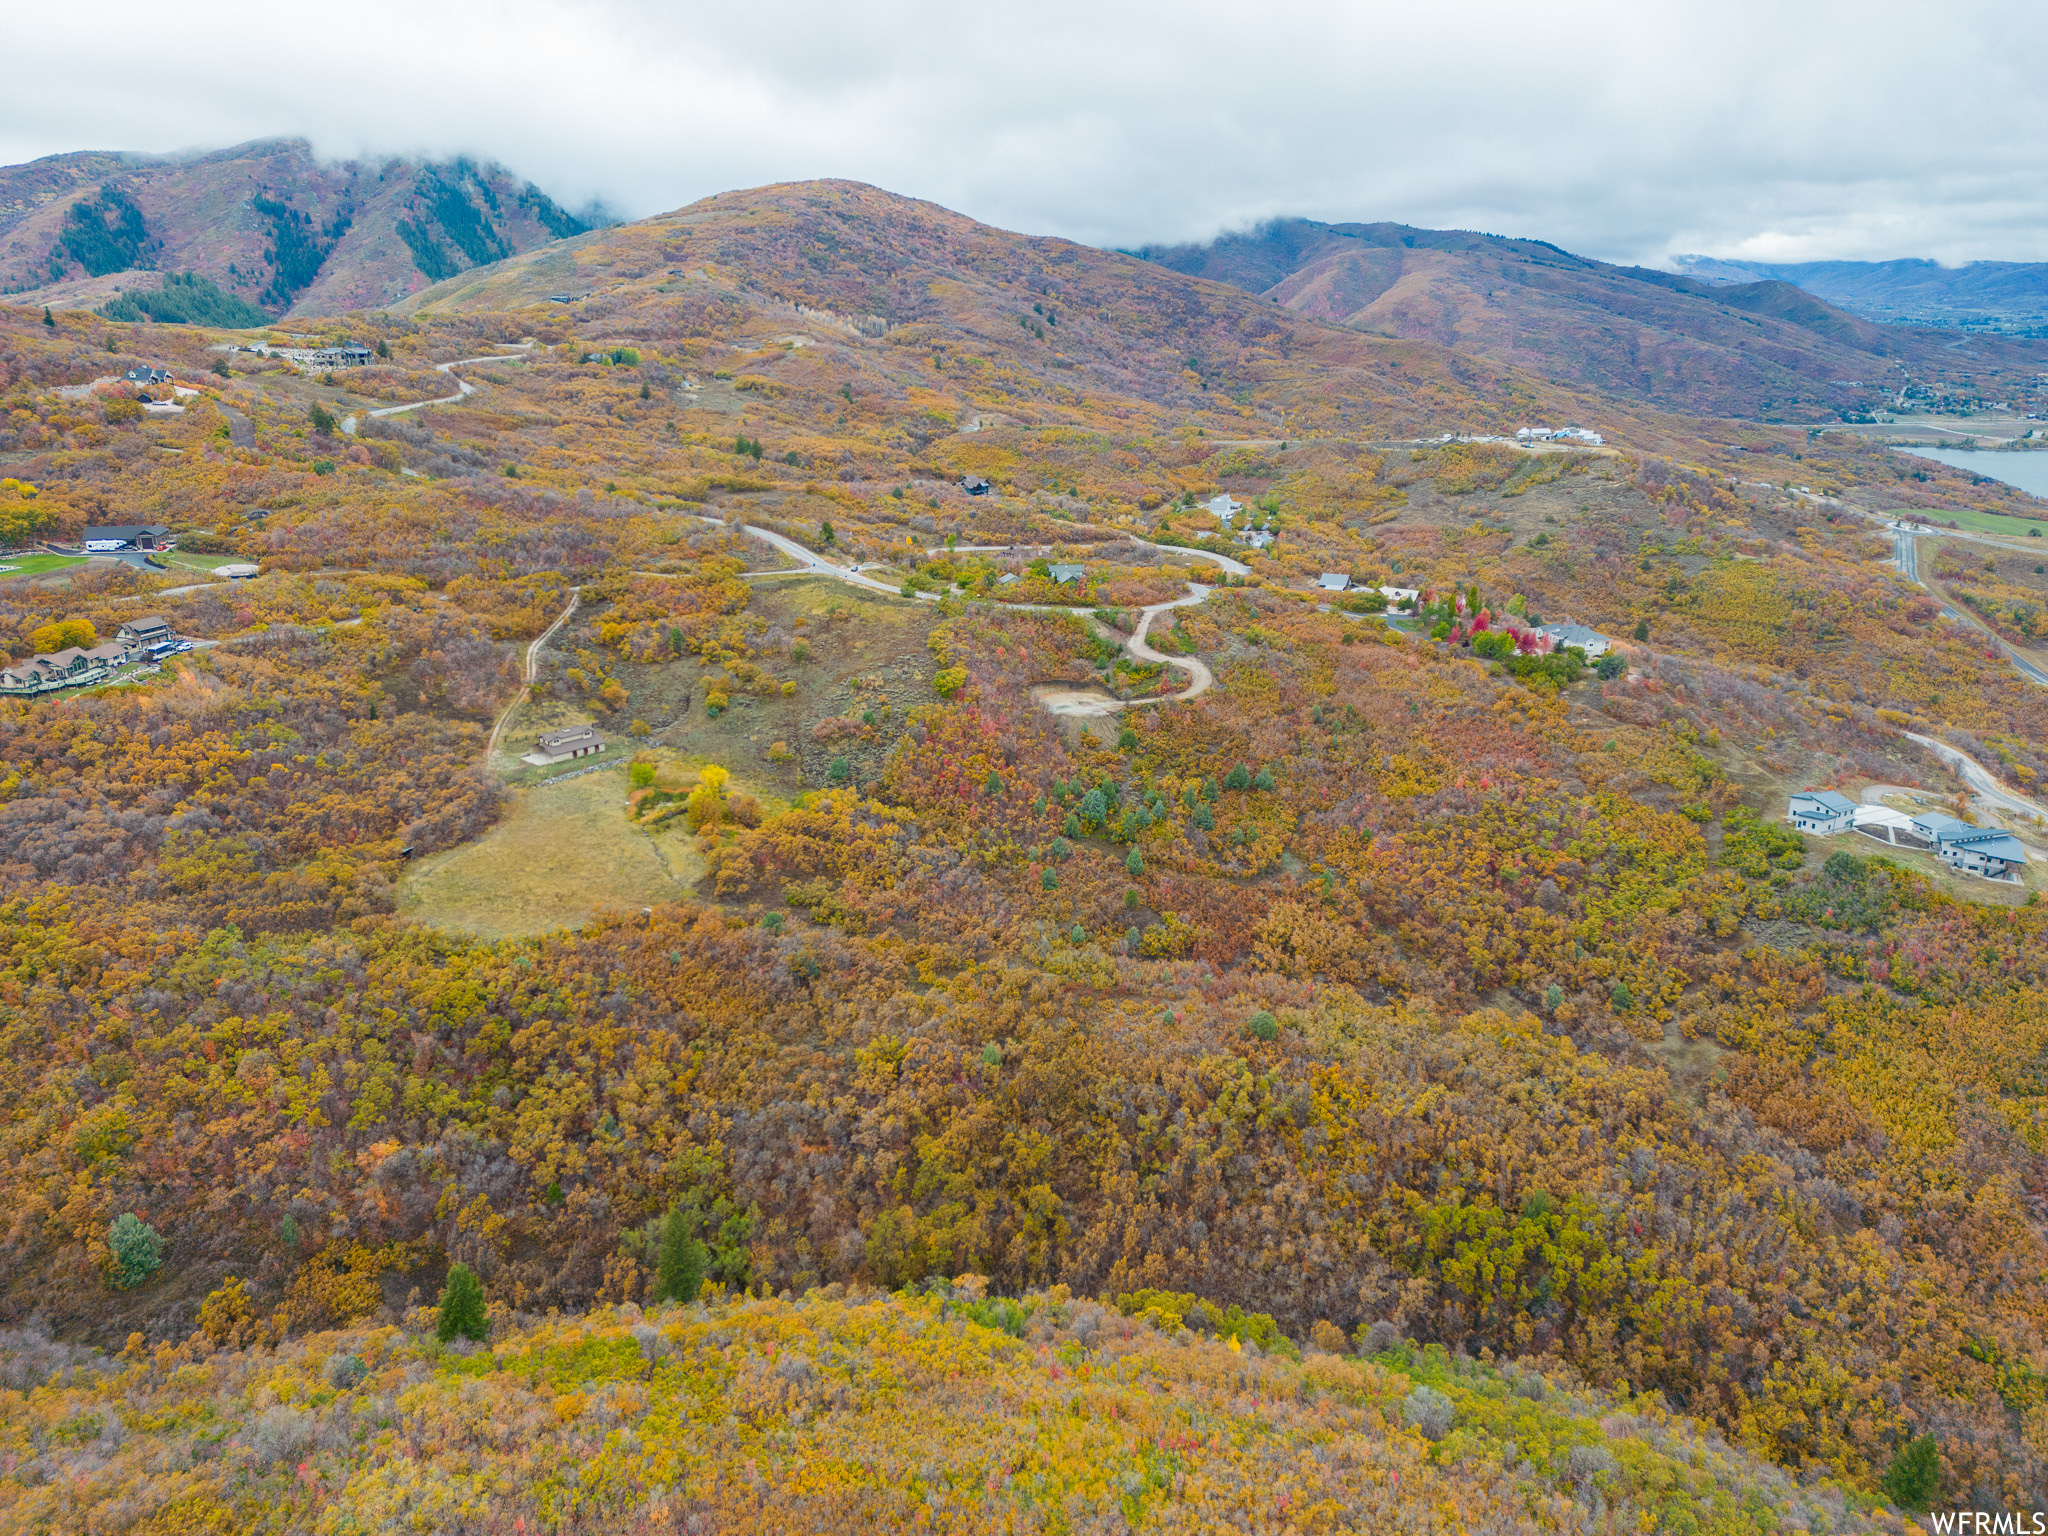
pixel 1762 348
pixel 269 222
pixel 2004 295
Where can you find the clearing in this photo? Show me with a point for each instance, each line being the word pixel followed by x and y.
pixel 562 854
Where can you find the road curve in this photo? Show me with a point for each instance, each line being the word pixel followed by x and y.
pixel 1979 778
pixel 1200 678
pixel 462 386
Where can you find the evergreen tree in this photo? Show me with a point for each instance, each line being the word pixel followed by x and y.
pixel 138 1251
pixel 1237 778
pixel 462 1307
pixel 1914 1477
pixel 49 319
pixel 1134 866
pixel 679 1269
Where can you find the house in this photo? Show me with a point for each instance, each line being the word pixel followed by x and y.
pixel 61 669
pixel 560 746
pixel 974 485
pixel 1822 812
pixel 1007 579
pixel 1224 507
pixel 1983 851
pixel 145 635
pixel 1061 574
pixel 116 537
pixel 1591 641
pixel 144 374
pixel 1330 581
pixel 1257 538
pixel 1399 595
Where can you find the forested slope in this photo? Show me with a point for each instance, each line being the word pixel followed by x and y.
pixel 1451 1021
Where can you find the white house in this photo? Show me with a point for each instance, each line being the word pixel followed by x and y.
pixel 1591 641
pixel 1399 595
pixel 1822 812
pixel 1984 851
pixel 1224 507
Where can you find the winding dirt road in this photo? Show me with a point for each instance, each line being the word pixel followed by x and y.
pixel 532 671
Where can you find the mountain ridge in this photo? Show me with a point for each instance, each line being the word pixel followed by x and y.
pixel 268 221
pixel 1764 348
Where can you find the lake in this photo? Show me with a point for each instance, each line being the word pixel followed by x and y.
pixel 2027 470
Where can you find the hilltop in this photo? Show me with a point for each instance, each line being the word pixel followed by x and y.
pixel 1759 349
pixel 269 222
pixel 2002 295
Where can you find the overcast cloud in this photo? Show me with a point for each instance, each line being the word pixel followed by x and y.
pixel 1628 131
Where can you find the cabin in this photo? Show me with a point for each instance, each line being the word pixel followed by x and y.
pixel 974 485
pixel 118 538
pixel 1591 641
pixel 1822 812
pixel 1062 574
pixel 145 635
pixel 1986 852
pixel 563 745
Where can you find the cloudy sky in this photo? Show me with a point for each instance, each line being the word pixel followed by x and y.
pixel 1631 130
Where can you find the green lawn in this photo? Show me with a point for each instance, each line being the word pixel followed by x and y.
pixel 177 559
pixel 1981 522
pixel 38 565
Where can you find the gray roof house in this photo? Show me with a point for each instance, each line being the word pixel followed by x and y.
pixel 1821 811
pixel 560 746
pixel 1331 581
pixel 113 536
pixel 1589 640
pixel 1987 852
pixel 138 634
pixel 1062 574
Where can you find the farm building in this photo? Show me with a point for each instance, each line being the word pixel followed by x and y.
pixel 561 746
pixel 113 538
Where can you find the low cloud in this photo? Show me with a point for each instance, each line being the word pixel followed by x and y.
pixel 1628 131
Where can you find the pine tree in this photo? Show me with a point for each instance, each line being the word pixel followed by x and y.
pixel 1914 1477
pixel 462 1307
pixel 679 1270
pixel 49 319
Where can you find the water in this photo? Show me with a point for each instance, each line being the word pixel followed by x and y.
pixel 2026 470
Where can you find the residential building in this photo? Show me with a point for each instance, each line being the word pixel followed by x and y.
pixel 561 746
pixel 1987 852
pixel 1400 595
pixel 1591 641
pixel 145 374
pixel 1822 812
pixel 1257 538
pixel 1331 581
pixel 1224 507
pixel 67 668
pixel 145 635
pixel 974 485
pixel 116 537
pixel 1061 574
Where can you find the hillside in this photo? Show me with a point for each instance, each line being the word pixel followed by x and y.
pixel 268 222
pixel 1760 349
pixel 1098 1043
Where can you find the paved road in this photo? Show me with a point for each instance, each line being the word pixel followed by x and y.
pixel 1974 774
pixel 1222 562
pixel 1906 556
